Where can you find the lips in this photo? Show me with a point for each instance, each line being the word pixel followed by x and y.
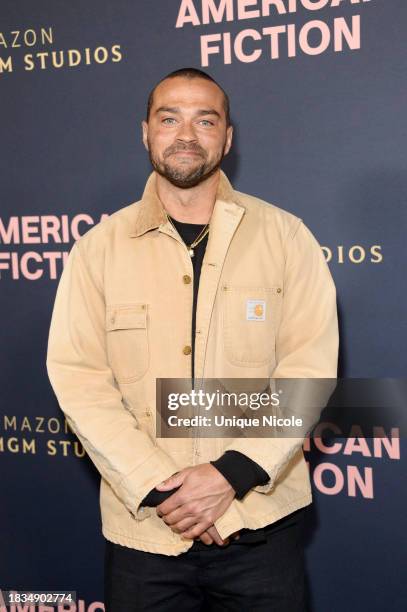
pixel 186 153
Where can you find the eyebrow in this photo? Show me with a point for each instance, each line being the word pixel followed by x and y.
pixel 200 112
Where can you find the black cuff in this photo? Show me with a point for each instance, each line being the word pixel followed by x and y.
pixel 155 497
pixel 241 472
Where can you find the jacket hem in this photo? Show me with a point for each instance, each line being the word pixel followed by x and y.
pixel 144 545
pixel 264 519
pixel 172 549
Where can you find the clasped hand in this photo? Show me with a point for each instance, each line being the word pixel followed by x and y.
pixel 204 495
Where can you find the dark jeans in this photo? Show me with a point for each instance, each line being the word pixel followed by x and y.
pixel 267 574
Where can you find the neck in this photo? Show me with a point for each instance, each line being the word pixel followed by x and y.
pixel 194 205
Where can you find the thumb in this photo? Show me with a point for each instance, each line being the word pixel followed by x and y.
pixel 173 481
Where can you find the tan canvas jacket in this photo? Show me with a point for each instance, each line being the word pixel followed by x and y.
pixel 122 317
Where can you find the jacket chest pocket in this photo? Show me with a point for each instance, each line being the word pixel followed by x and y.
pixel 250 317
pixel 127 341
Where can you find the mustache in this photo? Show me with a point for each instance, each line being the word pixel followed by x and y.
pixel 177 148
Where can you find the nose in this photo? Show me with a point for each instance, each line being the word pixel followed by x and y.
pixel 186 132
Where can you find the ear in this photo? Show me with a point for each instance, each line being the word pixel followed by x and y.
pixel 229 138
pixel 144 128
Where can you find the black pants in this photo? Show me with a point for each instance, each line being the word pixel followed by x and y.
pixel 267 574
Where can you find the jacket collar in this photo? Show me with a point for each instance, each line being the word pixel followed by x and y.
pixel 151 213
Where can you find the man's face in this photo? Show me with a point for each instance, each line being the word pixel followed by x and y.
pixel 186 135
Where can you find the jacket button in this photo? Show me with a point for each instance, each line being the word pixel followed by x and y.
pixel 187 350
pixel 186 278
pixel 279 290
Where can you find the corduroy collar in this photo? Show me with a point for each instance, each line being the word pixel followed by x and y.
pixel 151 213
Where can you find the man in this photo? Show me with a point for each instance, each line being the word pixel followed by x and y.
pixel 195 280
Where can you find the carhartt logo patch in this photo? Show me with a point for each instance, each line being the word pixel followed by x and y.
pixel 256 310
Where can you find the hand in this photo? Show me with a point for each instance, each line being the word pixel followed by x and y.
pixel 206 538
pixel 204 495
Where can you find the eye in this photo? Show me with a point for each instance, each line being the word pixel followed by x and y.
pixel 168 119
pixel 206 122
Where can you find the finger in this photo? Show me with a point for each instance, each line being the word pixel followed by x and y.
pixel 173 481
pixel 213 532
pixel 167 507
pixel 205 538
pixel 181 526
pixel 178 514
pixel 195 531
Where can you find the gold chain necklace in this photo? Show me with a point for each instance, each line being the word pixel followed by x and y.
pixel 197 240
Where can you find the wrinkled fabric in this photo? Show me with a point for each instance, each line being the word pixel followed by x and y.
pixel 122 318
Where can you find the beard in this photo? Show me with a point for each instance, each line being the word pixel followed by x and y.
pixel 186 176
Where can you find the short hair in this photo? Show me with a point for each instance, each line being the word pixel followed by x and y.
pixel 191 73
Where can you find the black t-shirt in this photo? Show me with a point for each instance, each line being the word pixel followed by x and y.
pixel 189 232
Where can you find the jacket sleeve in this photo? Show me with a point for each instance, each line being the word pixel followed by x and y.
pixel 241 472
pixel 307 342
pixel 88 394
